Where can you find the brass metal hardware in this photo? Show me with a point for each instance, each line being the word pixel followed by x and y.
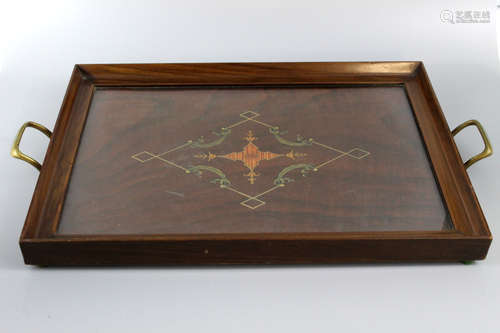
pixel 487 151
pixel 16 153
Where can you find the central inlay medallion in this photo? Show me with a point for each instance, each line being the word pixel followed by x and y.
pixel 251 156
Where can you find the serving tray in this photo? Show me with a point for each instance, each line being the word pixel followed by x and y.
pixel 252 163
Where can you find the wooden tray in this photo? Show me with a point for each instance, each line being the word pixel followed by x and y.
pixel 252 163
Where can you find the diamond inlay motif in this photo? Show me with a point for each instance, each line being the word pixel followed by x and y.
pixel 251 156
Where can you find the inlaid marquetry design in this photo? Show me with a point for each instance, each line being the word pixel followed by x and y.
pixel 251 157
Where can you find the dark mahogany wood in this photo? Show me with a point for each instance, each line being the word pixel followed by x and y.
pixel 402 194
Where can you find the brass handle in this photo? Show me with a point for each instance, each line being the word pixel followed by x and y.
pixel 16 153
pixel 487 151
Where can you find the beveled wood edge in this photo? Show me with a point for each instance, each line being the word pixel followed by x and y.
pixel 247 73
pixel 380 235
pixel 93 76
pixel 466 213
pixel 41 188
pixel 50 191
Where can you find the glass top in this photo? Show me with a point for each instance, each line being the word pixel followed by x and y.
pixel 251 160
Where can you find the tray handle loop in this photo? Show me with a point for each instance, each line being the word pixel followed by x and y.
pixel 487 151
pixel 16 153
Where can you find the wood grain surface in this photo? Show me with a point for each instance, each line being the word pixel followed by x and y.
pixel 391 189
pixel 339 162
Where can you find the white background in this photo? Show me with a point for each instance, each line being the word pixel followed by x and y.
pixel 40 41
